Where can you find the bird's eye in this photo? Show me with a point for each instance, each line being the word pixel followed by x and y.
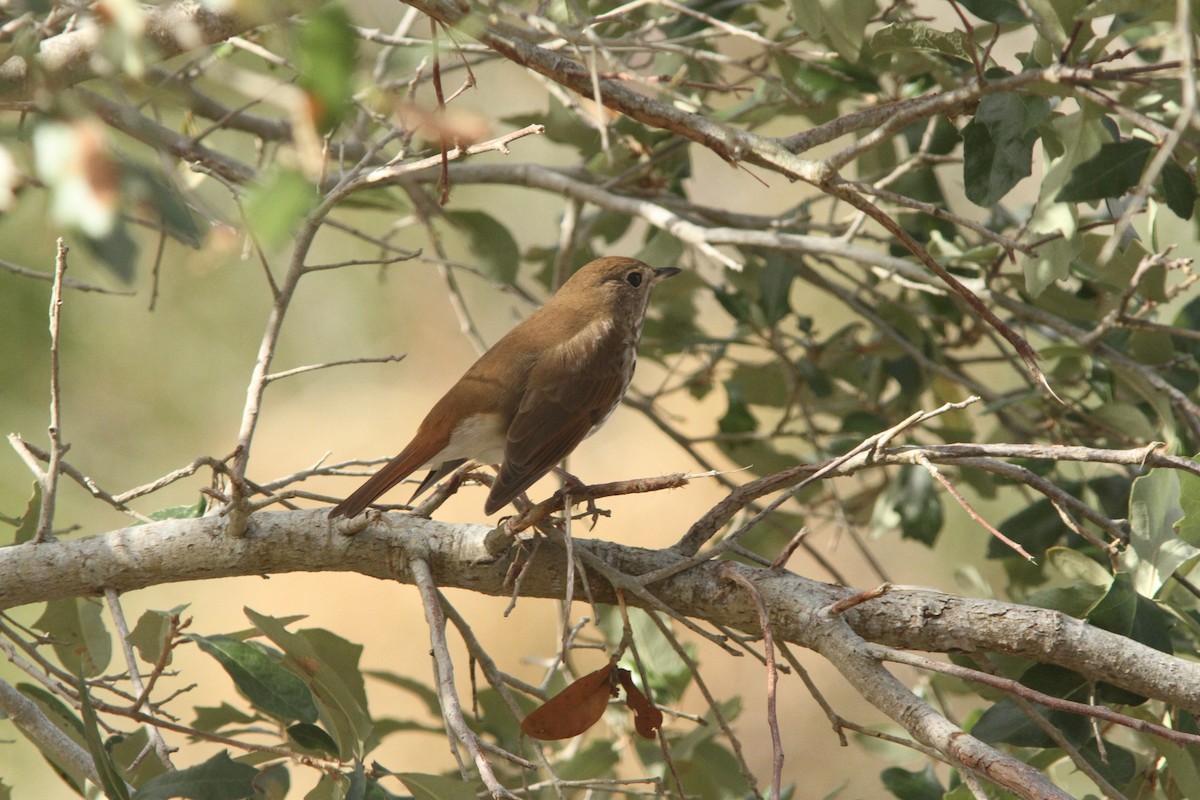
pixel 634 279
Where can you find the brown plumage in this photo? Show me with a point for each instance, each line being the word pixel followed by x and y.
pixel 538 392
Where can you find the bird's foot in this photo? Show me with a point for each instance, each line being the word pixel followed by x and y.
pixel 574 488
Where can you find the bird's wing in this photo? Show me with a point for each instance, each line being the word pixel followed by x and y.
pixel 571 389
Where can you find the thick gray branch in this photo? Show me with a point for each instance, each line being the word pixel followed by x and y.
pixel 302 541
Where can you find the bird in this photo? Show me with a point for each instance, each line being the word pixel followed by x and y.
pixel 536 393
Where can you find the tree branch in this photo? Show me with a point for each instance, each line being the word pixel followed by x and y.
pixel 70 57
pixel 302 541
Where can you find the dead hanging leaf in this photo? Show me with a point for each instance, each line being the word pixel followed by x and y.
pixel 646 716
pixel 573 710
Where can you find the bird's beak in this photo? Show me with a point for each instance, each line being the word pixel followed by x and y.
pixel 662 273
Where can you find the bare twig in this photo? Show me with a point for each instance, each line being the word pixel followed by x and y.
pixel 49 478
pixel 971 512
pixel 764 622
pixel 135 676
pixel 451 708
pixel 51 277
pixel 1020 690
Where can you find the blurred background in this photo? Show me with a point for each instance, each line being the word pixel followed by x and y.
pixel 145 391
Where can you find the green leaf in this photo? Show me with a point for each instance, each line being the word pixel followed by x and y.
pixel 329 787
pixel 774 285
pixel 917 785
pixel 276 207
pixel 194 511
pixel 1124 611
pixel 337 697
pixel 998 145
pixel 110 777
pixel 737 418
pixel 1185 776
pixel 1124 8
pixel 438 787
pixel 1116 764
pixel 711 769
pixel 1005 723
pixel 498 722
pixel 214 718
pixel 80 640
pixel 1110 173
pixel 1188 526
pixel 1179 189
pixel 910 503
pixel 841 23
pixel 1125 418
pixel 116 251
pixel 735 303
pixel 218 778
pixel 669 674
pixel 1081 134
pixel 563 126
pixel 919 505
pixel 1005 12
pixel 595 760
pixel 273 783
pixel 660 249
pixel 313 738
pixel 908 36
pixel 29 520
pixel 342 656
pixel 128 749
pixel 1080 582
pixel 268 686
pixel 1035 527
pixel 164 199
pixel 325 57
pixel 425 693
pixel 150 635
pixel 1155 549
pixel 490 241
pixel 762 384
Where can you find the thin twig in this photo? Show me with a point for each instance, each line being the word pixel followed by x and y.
pixel 971 512
pixel 135 677
pixel 764 622
pixel 1020 690
pixel 49 478
pixel 451 708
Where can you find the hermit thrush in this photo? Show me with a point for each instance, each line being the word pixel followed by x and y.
pixel 530 399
